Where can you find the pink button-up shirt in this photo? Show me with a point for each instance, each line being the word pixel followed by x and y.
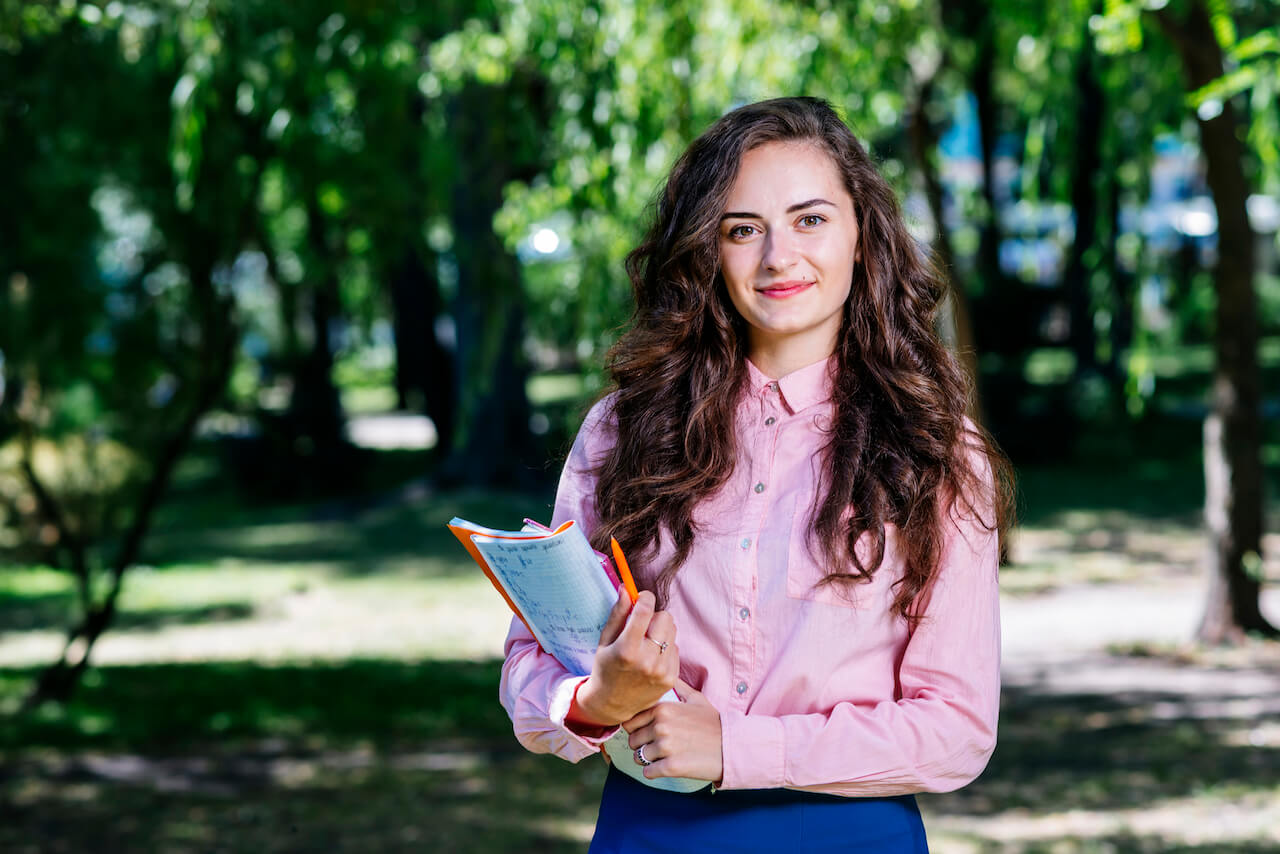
pixel 816 689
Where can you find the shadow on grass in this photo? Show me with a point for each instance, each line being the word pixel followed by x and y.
pixel 172 706
pixel 154 619
pixel 526 804
pixel 366 540
pixel 23 612
pixel 389 756
pixel 358 756
pixel 1152 468
pixel 1153 489
pixel 1115 751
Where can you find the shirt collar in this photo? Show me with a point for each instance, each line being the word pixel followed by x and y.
pixel 799 389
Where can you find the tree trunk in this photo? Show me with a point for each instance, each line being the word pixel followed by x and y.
pixel 497 446
pixel 981 79
pixel 424 368
pixel 1120 333
pixel 218 341
pixel 290 357
pixel 316 408
pixel 1084 201
pixel 958 319
pixel 1233 430
pixel 492 441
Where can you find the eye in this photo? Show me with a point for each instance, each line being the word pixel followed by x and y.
pixel 739 232
pixel 812 220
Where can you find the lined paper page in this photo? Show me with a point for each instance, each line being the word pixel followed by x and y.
pixel 563 593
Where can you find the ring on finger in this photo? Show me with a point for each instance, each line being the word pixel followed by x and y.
pixel 661 645
pixel 640 756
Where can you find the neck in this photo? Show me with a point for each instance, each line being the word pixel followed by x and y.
pixel 780 360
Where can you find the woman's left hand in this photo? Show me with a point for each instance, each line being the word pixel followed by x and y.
pixel 679 739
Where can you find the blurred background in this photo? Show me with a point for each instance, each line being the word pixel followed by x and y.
pixel 285 286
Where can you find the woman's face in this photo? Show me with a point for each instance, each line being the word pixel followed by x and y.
pixel 788 243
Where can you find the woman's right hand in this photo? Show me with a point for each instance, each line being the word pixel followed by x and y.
pixel 632 667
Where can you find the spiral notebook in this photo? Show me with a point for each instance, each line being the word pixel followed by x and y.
pixel 562 590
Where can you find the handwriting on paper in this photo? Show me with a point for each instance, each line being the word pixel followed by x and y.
pixel 563 593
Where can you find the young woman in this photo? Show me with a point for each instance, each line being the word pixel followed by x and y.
pixel 786 460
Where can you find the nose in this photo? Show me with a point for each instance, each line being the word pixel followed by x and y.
pixel 779 251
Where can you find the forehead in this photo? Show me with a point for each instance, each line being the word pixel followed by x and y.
pixel 782 173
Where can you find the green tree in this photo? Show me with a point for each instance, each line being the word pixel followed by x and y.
pixel 164 148
pixel 1233 430
pixel 114 354
pixel 1204 35
pixel 631 82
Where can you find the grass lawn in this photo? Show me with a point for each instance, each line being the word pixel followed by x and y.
pixel 322 677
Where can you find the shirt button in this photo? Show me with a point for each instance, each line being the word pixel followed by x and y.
pixel 746 543
pixel 742 687
pixel 768 422
pixel 759 488
pixel 744 613
pixel 773 386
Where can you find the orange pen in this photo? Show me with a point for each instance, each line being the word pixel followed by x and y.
pixel 624 571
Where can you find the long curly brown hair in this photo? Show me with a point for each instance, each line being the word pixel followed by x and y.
pixel 900 450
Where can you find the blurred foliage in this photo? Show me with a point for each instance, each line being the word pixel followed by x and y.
pixel 635 82
pixel 80 473
pixel 440 194
pixel 326 139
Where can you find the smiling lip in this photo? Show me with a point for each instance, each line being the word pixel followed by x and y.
pixel 782 290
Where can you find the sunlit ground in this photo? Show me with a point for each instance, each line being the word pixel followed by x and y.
pixel 323 679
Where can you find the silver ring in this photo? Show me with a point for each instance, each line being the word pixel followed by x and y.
pixel 661 645
pixel 640 756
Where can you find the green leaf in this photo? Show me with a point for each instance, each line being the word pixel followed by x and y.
pixel 1225 87
pixel 331 199
pixel 1224 28
pixel 1258 44
pixel 1118 30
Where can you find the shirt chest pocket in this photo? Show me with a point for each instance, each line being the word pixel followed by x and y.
pixel 807 566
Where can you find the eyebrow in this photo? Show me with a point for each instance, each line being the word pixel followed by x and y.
pixel 799 206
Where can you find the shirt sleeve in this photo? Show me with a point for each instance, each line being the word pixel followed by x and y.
pixel 938 736
pixel 536 690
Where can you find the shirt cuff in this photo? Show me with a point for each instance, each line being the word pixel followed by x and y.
pixel 754 751
pixel 561 700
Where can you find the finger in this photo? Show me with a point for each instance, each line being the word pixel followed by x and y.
pixel 664 655
pixel 685 691
pixel 643 719
pixel 669 663
pixel 652 754
pixel 662 627
pixel 617 618
pixel 662 768
pixel 638 620
pixel 642 735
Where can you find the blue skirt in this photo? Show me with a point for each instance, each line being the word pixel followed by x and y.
pixel 635 818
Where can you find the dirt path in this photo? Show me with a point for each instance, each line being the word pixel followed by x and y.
pixel 1118 735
